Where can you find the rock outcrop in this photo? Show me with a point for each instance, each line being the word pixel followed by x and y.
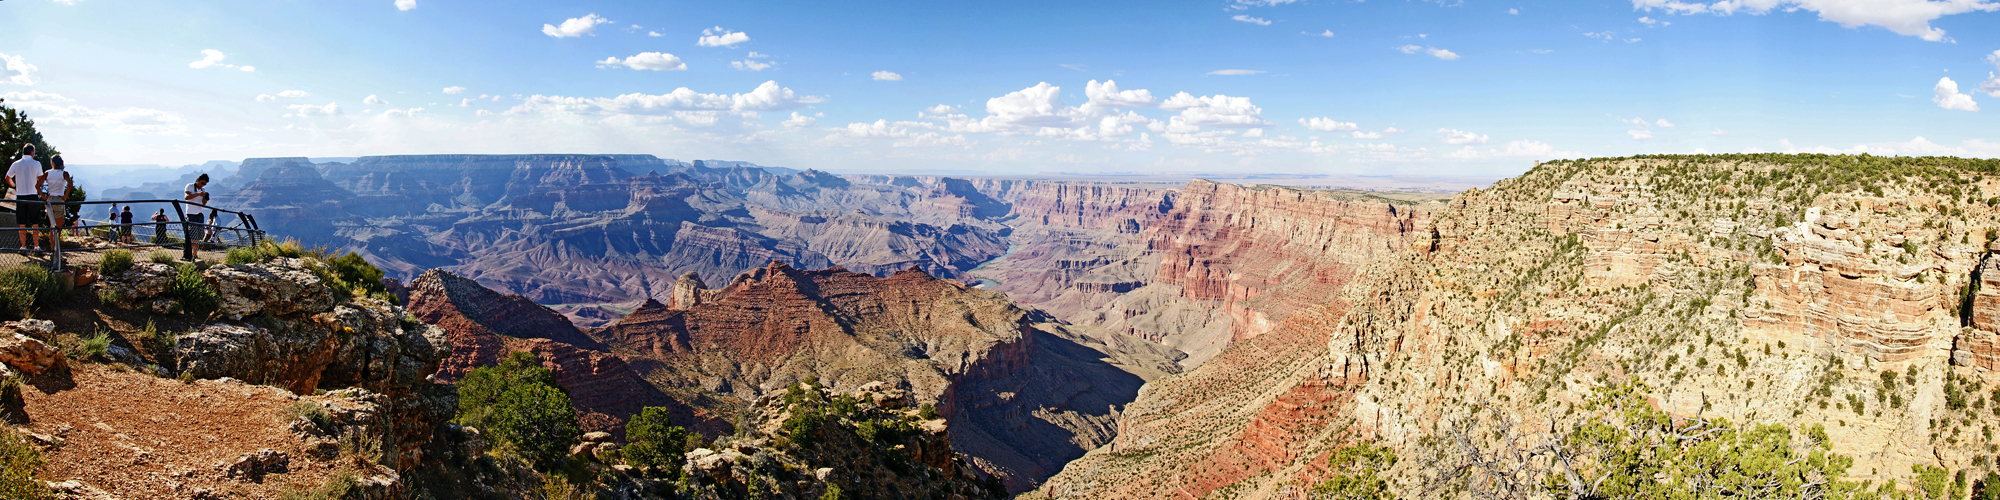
pixel 484 326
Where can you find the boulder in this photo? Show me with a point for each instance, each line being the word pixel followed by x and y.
pixel 27 354
pixel 254 465
pixel 280 287
pixel 597 437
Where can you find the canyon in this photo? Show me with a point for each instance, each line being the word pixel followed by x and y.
pixel 1096 340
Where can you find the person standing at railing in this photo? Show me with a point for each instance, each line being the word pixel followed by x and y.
pixel 160 226
pixel 125 225
pixel 23 176
pixel 197 193
pixel 54 185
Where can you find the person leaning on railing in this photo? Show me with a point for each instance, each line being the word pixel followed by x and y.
pixel 24 176
pixel 54 185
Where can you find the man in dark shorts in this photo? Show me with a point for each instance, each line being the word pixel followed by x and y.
pixel 24 176
pixel 125 225
pixel 196 192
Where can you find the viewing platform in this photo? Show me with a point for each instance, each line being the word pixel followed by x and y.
pixel 87 233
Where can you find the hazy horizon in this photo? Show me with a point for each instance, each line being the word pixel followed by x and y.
pixel 1278 86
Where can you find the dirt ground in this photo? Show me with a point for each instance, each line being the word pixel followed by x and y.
pixel 137 436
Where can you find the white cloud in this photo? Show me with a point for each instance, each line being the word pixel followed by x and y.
pixel 654 61
pixel 56 111
pixel 755 55
pixel 654 34
pixel 1718 133
pixel 940 110
pixel 372 100
pixel 888 76
pixel 1358 134
pixel 1992 84
pixel 211 58
pixel 1664 123
pixel 482 113
pixel 1235 72
pixel 1392 130
pixel 454 89
pixel 1948 96
pixel 575 27
pixel 402 113
pixel 1640 135
pixel 1905 17
pixel 718 37
pixel 1433 51
pixel 749 64
pixel 766 97
pixel 1514 12
pixel 466 102
pixel 266 98
pixel 1648 21
pixel 406 4
pixel 1455 136
pixel 1515 149
pixel 1215 111
pixel 799 121
pixel 1252 20
pixel 246 69
pixel 1107 95
pixel 294 93
pixel 303 110
pixel 1327 33
pixel 1328 125
pixel 24 73
pixel 1037 106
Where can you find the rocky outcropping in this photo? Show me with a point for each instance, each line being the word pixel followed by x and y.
pixel 484 326
pixel 21 347
pixel 302 340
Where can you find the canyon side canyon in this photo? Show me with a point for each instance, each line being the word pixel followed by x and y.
pixel 1211 340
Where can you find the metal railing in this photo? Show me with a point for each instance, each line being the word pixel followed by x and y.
pixel 93 235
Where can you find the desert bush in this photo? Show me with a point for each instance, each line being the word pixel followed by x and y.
pixel 521 408
pixel 193 291
pixel 311 412
pixel 18 462
pixel 357 273
pixel 288 248
pixel 339 486
pixel 95 346
pixel 163 257
pixel 114 262
pixel 654 444
pixel 1357 474
pixel 24 287
pixel 11 388
pixel 242 255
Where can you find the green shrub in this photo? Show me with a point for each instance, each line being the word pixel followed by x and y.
pixel 927 412
pixel 242 255
pixel 357 273
pixel 24 287
pixel 114 262
pixel 289 248
pixel 804 426
pixel 95 346
pixel 11 389
pixel 163 257
pixel 521 408
pixel 157 343
pixel 654 444
pixel 341 485
pixel 193 291
pixel 312 412
pixel 18 461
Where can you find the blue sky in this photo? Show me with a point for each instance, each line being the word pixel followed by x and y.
pixel 1302 86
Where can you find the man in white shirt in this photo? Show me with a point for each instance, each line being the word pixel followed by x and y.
pixel 54 184
pixel 23 177
pixel 194 192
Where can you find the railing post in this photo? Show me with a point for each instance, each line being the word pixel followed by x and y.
pixel 187 233
pixel 55 234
